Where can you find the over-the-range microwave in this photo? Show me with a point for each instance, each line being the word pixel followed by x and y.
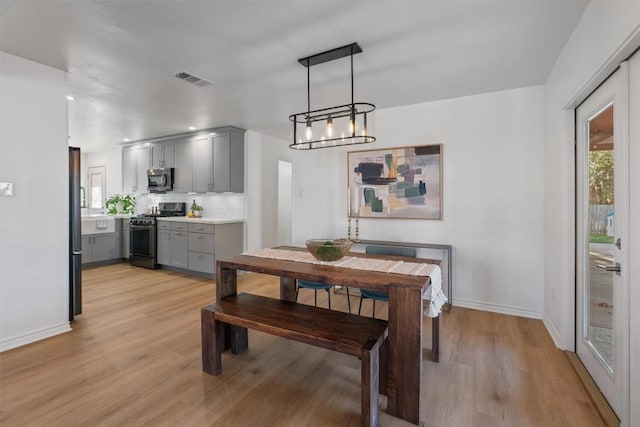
pixel 160 180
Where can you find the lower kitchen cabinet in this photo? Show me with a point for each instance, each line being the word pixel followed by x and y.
pixel 125 238
pixel 202 262
pixel 101 247
pixel 195 246
pixel 179 249
pixel 179 245
pixel 164 247
pixel 202 247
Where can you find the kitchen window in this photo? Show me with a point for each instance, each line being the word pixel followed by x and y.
pixel 96 179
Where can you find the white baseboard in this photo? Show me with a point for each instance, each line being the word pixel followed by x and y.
pixel 28 338
pixel 555 336
pixel 497 308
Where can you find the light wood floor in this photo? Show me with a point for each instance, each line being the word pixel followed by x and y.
pixel 133 359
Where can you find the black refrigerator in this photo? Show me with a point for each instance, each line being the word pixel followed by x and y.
pixel 75 235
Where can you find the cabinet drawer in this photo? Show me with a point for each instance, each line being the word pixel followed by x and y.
pixel 200 242
pixel 179 226
pixel 164 225
pixel 204 263
pixel 201 228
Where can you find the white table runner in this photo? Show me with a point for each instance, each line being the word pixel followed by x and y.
pixel 434 292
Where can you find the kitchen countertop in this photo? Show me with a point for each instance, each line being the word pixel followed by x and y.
pixel 203 220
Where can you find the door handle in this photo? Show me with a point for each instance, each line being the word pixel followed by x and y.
pixel 612 267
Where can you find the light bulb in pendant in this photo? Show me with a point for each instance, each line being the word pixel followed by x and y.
pixel 308 132
pixel 352 122
pixel 329 126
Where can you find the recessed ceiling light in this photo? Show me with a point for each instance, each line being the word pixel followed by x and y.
pixel 126 139
pixel 192 128
pixel 70 98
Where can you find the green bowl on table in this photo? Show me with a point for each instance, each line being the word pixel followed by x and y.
pixel 328 249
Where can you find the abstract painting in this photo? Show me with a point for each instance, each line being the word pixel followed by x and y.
pixel 402 182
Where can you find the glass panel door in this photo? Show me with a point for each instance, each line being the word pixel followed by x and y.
pixel 601 226
pixel 601 242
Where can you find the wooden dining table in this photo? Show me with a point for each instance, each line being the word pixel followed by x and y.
pixel 404 359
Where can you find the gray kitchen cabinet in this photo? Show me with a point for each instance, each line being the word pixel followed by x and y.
pixel 228 160
pixel 125 238
pixel 106 247
pixel 229 240
pixel 163 154
pixel 202 248
pixel 87 249
pixel 179 245
pixel 184 166
pixel 195 246
pixel 129 170
pixel 208 162
pixel 202 153
pixel 164 242
pixel 101 247
pixel 164 247
pixel 135 162
pixel 144 163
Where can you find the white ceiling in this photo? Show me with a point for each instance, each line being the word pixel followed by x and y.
pixel 121 56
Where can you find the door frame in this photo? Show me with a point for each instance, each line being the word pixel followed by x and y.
pixel 622 104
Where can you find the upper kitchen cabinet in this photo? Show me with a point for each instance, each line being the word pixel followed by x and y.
pixel 205 161
pixel 163 154
pixel 184 166
pixel 202 163
pixel 135 162
pixel 228 160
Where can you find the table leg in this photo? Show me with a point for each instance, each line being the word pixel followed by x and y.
pixel 287 289
pixel 405 353
pixel 435 338
pixel 226 282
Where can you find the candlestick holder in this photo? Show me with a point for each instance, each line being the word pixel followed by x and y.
pixel 357 239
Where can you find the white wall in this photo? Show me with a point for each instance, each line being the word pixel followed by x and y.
pixel 607 33
pixel 492 193
pixel 34 285
pixel 262 154
pixel 602 35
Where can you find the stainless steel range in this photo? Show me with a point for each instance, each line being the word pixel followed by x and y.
pixel 143 247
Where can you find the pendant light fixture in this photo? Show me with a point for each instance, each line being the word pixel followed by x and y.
pixel 342 125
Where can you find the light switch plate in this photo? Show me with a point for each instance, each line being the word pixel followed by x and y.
pixel 6 189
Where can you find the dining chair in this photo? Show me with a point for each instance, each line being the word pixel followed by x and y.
pixel 383 250
pixel 304 284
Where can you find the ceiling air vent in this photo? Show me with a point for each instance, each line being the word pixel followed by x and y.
pixel 188 77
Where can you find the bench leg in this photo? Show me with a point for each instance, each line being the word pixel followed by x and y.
pixel 212 342
pixel 239 339
pixel 370 384
pixel 382 379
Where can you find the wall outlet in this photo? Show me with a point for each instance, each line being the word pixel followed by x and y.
pixel 6 189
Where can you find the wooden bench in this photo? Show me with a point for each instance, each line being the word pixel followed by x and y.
pixel 358 336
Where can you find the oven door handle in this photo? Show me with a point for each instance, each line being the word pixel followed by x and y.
pixel 141 227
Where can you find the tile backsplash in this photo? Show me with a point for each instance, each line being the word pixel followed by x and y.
pixel 215 205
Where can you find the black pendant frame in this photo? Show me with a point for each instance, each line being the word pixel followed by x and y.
pixel 356 112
